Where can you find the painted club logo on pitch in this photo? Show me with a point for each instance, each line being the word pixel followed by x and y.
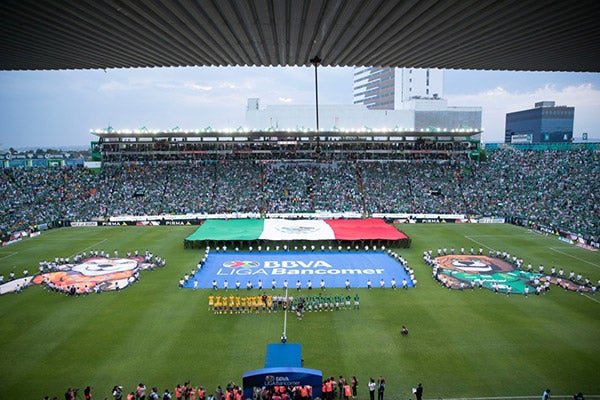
pixel 240 264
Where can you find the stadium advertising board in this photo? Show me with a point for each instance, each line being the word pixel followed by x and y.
pixel 521 139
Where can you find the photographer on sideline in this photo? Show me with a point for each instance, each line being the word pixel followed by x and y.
pixel 117 392
pixel 70 394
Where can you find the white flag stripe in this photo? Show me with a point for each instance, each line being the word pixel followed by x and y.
pixel 285 229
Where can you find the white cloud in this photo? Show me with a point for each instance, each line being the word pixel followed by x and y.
pixel 285 99
pixel 196 86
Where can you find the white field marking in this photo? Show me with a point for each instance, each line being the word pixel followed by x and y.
pixel 591 298
pixel 285 314
pixel 562 396
pixel 479 243
pixel 9 255
pixel 577 258
pixel 507 235
pixel 90 246
pixel 63 240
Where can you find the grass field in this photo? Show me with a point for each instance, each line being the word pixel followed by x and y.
pixel 461 344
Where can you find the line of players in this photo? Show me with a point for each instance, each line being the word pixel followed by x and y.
pixel 268 303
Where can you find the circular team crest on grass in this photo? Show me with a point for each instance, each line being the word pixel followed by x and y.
pixel 90 275
pixel 475 264
pixel 469 271
pixel 240 264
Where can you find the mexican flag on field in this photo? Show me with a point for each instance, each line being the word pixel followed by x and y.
pixel 287 230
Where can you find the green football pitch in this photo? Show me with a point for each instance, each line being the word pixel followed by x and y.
pixel 462 344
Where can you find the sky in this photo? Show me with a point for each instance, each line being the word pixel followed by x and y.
pixel 58 109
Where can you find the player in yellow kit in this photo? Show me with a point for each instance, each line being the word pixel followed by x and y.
pixel 237 304
pixel 211 302
pixel 218 305
pixel 231 303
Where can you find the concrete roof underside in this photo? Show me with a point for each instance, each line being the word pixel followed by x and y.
pixel 520 35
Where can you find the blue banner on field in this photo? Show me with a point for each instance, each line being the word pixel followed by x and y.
pixel 281 268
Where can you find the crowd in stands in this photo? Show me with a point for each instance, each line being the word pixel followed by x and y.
pixel 329 150
pixel 559 189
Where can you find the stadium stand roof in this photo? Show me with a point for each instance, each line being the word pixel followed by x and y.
pixel 553 35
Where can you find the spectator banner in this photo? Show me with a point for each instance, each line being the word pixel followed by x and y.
pixel 284 229
pixel 83 223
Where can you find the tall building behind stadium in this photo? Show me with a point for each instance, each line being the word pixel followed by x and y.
pixel 385 99
pixel 545 123
pixel 380 88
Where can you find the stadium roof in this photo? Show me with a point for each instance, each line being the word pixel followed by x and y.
pixel 552 35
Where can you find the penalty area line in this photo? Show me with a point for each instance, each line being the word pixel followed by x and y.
pixel 9 255
pixel 479 243
pixel 91 246
pixel 577 258
pixel 591 298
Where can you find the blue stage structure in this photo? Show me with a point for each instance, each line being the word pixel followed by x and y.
pixel 283 367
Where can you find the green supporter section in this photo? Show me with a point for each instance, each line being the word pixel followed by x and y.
pixel 233 229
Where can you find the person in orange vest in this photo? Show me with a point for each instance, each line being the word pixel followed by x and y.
pixel 347 391
pixel 237 394
pixel 178 392
pixel 329 389
pixel 201 393
pixel 304 393
pixel 131 396
pixel 191 393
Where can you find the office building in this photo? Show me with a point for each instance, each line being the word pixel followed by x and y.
pixel 380 88
pixel 545 123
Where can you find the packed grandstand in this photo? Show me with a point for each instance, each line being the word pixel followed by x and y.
pixel 550 190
